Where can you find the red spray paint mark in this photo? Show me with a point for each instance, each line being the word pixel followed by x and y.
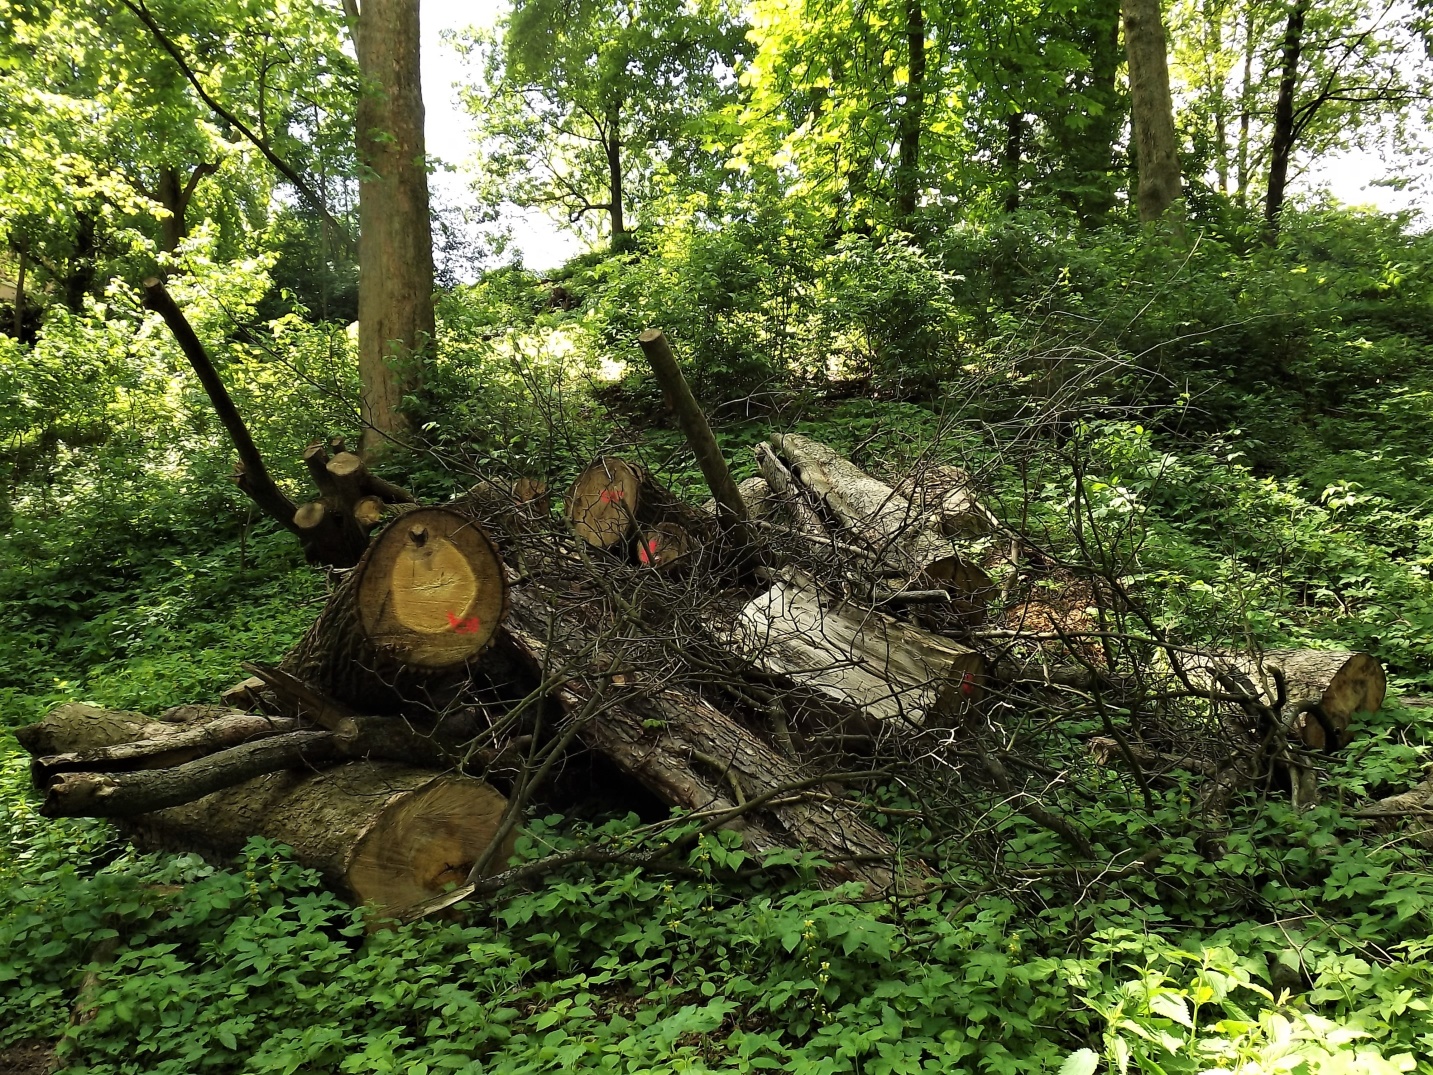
pixel 967 685
pixel 611 496
pixel 647 551
pixel 470 626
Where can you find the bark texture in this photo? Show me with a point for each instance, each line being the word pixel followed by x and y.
pixel 379 834
pixel 1152 107
pixel 395 245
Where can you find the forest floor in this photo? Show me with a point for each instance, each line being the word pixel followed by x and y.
pixel 1305 943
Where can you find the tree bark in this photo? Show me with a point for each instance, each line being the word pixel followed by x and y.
pixel 616 195
pixel 19 322
pixel 395 245
pixel 1282 145
pixel 1324 688
pixel 883 520
pixel 912 117
pixel 693 756
pixel 946 496
pixel 1246 108
pixel 731 510
pixel 1153 108
pixel 378 834
pixel 1014 139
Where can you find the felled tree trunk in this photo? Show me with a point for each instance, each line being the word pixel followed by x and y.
pixel 883 520
pixel 880 671
pixel 693 756
pixel 378 833
pixel 1324 688
pixel 947 499
pixel 86 766
pixel 425 599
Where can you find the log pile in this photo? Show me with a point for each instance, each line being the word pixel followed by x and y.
pixel 813 634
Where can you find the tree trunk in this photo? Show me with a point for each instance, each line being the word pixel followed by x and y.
pixel 908 173
pixel 883 520
pixel 946 496
pixel 1014 137
pixel 1325 688
pixel 378 834
pixel 1214 50
pixel 395 289
pixel 427 596
pixel 888 675
pixel 20 293
pixel 615 194
pixel 1152 108
pixel 1282 145
pixel 693 756
pixel 1246 108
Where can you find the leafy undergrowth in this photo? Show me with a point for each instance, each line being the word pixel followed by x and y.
pixel 1304 948
pixel 1301 945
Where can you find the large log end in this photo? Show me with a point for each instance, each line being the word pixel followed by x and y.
pixel 432 592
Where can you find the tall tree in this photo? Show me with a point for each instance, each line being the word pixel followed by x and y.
pixel 583 101
pixel 395 244
pixel 1152 107
pixel 912 115
pixel 1283 141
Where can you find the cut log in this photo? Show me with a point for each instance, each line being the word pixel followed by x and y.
pixel 379 834
pixel 175 745
pixel 79 726
pixel 946 497
pixel 884 671
pixel 427 597
pixel 604 501
pixel 696 758
pixel 883 520
pixel 787 504
pixel 613 501
pixel 663 545
pixel 1325 688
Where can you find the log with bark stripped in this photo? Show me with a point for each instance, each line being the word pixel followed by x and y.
pixel 883 520
pixel 884 672
pixel 946 496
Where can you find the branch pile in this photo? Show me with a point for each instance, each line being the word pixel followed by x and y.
pixel 763 664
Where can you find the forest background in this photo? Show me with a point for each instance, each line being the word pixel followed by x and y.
pixel 883 224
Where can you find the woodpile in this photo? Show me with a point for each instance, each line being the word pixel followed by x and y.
pixel 757 664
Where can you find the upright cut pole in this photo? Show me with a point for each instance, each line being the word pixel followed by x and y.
pixel 731 510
